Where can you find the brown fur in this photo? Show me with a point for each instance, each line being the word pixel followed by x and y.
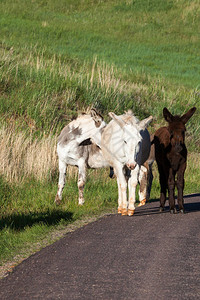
pixel 171 157
pixel 68 133
pixel 88 152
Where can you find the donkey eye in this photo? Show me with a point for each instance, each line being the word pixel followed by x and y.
pixel 125 142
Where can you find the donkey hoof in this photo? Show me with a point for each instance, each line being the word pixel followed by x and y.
pixel 57 200
pixel 124 212
pixel 161 209
pixel 119 211
pixel 81 201
pixel 142 203
pixel 173 211
pixel 182 211
pixel 130 212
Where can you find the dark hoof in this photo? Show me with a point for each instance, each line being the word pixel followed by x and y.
pixel 161 209
pixel 173 211
pixel 112 174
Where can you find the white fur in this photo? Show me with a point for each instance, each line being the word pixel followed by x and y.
pixel 123 141
pixel 126 141
pixel 70 152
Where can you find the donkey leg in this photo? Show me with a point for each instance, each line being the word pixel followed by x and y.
pixel 171 188
pixel 112 174
pixel 180 186
pixel 143 185
pixel 149 181
pixel 122 190
pixel 81 181
pixel 132 184
pixel 119 197
pixel 163 186
pixel 61 181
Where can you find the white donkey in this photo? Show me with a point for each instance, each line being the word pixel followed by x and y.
pixel 125 143
pixel 75 148
pixel 145 176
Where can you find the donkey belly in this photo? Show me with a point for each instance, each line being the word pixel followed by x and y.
pixel 95 158
pixel 146 146
pixel 72 153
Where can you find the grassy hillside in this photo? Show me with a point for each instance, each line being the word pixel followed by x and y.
pixel 159 38
pixel 58 58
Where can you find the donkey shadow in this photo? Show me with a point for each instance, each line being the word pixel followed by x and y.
pixel 192 207
pixel 149 210
pixel 19 221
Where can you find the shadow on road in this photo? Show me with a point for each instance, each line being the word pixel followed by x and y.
pixel 149 210
pixel 192 195
pixel 192 207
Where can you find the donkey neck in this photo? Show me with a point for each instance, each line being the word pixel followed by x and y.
pixel 176 158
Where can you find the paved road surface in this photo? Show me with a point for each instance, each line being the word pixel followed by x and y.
pixel 148 256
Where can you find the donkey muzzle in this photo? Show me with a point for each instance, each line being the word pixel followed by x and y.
pixel 178 148
pixel 131 166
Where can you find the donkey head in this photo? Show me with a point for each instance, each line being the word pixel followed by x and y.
pixel 99 125
pixel 129 138
pixel 177 128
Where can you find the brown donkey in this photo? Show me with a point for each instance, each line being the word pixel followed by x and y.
pixel 171 157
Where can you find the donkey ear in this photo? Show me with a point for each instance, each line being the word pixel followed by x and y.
pixel 117 119
pixel 145 123
pixel 96 117
pixel 188 115
pixel 167 115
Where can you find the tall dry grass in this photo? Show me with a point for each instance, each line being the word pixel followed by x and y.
pixel 22 156
pixel 101 74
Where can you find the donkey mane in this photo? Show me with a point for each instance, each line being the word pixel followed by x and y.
pixel 129 118
pixel 176 118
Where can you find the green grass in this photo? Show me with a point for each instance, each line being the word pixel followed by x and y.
pixel 57 58
pixel 157 38
pixel 29 214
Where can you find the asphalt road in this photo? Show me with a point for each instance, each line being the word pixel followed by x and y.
pixel 151 255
